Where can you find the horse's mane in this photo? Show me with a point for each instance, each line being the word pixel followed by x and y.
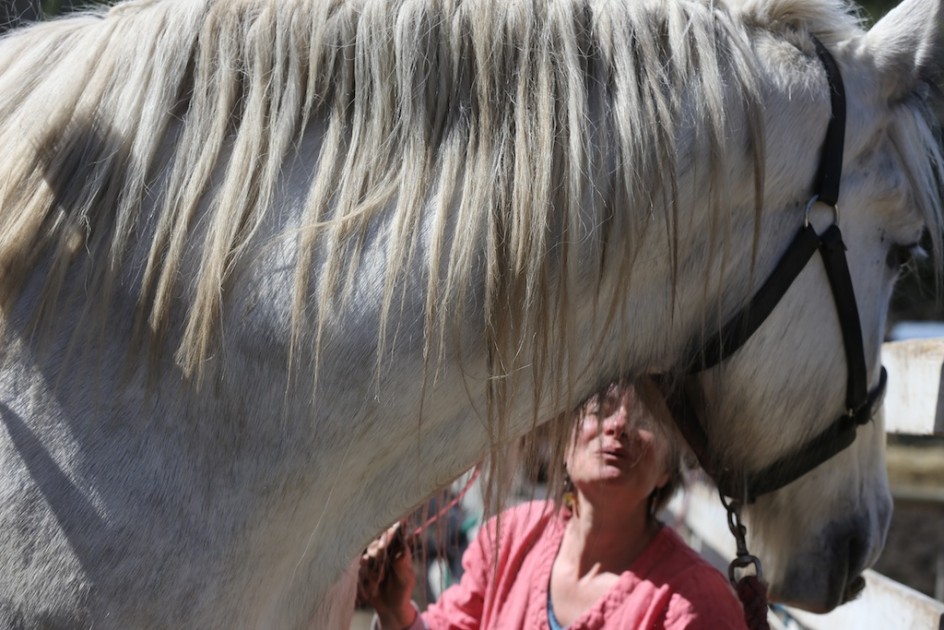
pixel 505 134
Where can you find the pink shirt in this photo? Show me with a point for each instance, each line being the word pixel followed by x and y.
pixel 668 586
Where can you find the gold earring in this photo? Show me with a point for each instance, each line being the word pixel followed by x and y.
pixel 570 494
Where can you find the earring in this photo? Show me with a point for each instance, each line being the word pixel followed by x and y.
pixel 570 493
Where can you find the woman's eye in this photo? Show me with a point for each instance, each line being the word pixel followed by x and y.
pixel 609 405
pixel 900 256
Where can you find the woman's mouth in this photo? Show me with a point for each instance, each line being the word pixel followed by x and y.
pixel 614 452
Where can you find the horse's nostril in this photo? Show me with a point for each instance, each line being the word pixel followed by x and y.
pixel 855 588
pixel 858 554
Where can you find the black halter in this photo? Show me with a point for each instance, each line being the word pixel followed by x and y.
pixel 860 402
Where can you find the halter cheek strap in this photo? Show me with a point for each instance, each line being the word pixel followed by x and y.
pixel 860 402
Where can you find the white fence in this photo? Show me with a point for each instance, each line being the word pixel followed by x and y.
pixel 914 405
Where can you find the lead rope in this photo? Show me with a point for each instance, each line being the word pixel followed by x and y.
pixel 750 588
pixel 453 503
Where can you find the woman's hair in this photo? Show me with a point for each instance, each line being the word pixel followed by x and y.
pixel 661 496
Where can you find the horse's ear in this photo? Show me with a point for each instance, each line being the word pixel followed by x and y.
pixel 908 48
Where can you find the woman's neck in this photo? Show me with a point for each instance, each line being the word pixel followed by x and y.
pixel 600 540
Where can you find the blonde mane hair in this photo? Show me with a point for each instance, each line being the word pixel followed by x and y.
pixel 510 138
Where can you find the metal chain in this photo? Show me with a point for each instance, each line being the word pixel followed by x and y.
pixel 744 558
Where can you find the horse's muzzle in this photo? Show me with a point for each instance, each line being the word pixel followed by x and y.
pixel 829 573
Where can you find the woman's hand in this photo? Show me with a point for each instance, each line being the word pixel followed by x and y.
pixel 386 578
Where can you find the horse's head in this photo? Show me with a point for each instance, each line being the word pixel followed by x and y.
pixel 785 392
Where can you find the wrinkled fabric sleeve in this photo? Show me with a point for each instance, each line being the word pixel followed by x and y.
pixel 704 601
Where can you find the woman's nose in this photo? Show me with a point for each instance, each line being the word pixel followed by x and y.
pixel 615 423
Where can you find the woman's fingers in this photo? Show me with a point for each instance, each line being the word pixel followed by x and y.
pixel 388 543
pixel 387 557
pixel 368 587
pixel 402 564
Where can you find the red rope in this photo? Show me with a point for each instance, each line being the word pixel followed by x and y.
pixel 753 595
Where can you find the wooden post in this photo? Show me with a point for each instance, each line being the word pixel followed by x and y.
pixel 914 403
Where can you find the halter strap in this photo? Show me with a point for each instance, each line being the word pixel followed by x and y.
pixel 826 190
pixel 747 486
pixel 860 402
pixel 830 161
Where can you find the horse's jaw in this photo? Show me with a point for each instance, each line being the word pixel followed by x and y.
pixel 821 571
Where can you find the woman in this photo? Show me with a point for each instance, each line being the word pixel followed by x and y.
pixel 601 561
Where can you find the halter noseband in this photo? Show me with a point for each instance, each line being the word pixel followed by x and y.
pixel 860 402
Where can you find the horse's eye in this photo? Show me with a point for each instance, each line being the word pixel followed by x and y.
pixel 900 256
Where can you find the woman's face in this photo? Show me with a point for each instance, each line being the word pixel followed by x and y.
pixel 617 448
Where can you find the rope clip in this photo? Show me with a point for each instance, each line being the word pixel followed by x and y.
pixel 744 558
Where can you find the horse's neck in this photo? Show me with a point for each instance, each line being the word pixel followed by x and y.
pixel 278 490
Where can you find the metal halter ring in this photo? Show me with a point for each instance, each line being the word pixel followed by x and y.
pixel 809 209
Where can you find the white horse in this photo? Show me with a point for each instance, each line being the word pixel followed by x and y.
pixel 274 270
